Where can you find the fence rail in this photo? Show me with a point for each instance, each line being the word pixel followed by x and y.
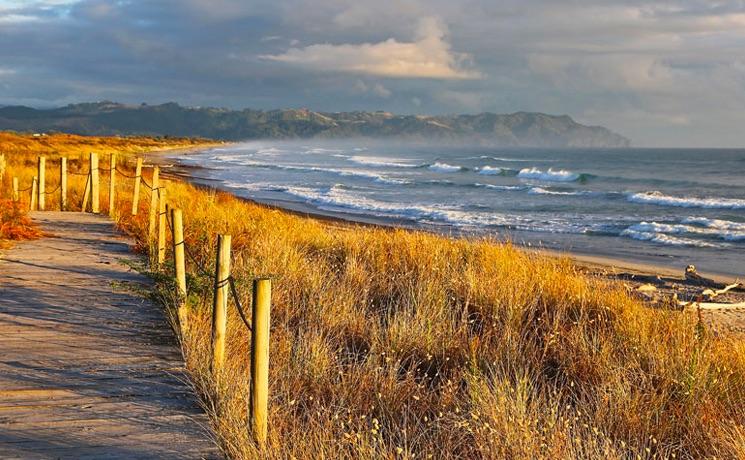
pixel 165 220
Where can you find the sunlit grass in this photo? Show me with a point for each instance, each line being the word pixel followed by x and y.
pixel 401 344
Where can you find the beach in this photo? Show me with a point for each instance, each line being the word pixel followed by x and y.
pixel 633 272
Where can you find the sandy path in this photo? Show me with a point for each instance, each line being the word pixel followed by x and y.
pixel 89 368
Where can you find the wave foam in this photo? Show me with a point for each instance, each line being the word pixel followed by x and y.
pixel 660 199
pixel 490 170
pixel 444 167
pixel 500 187
pixel 560 175
pixel 543 191
pixel 382 161
pixel 715 223
pixel 663 238
pixel 736 232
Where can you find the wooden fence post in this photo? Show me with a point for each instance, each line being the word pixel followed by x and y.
pixel 153 206
pixel 86 192
pixel 136 195
pixel 32 206
pixel 2 167
pixel 162 223
pixel 63 184
pixel 220 304
pixel 15 189
pixel 179 263
pixel 41 174
pixel 95 190
pixel 112 183
pixel 259 392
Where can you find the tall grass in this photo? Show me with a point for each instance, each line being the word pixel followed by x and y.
pixel 401 344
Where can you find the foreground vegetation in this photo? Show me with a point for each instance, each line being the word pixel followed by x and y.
pixel 400 344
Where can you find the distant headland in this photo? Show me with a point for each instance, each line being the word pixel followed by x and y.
pixel 520 129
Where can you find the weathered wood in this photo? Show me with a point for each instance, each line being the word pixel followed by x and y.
pixel 32 205
pixel 179 262
pixel 259 391
pixel 112 184
pixel 86 193
pixel 88 367
pixel 136 193
pixel 220 304
pixel 42 175
pixel 95 184
pixel 16 197
pixel 63 184
pixel 712 305
pixel 3 165
pixel 162 224
pixel 153 206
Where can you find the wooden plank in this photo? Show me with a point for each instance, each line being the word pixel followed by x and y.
pixel 89 368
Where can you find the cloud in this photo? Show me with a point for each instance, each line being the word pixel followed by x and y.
pixel 376 89
pixel 429 56
pixel 663 72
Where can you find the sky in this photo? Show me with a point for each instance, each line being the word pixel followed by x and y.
pixel 663 73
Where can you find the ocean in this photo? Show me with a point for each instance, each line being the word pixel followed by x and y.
pixel 670 207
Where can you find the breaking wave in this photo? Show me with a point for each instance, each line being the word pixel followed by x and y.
pixel 382 162
pixel 551 175
pixel 445 168
pixel 657 198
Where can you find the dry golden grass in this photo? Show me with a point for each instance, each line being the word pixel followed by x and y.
pixel 399 344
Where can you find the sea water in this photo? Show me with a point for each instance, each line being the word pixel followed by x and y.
pixel 671 207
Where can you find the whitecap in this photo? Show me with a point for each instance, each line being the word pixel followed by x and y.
pixel 543 191
pixel 500 187
pixel 657 198
pixel 715 223
pixel 560 175
pixel 382 162
pixel 444 167
pixel 663 238
pixel 490 170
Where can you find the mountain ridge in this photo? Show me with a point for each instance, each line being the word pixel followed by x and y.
pixel 524 129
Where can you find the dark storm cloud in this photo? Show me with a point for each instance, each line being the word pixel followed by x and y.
pixel 660 72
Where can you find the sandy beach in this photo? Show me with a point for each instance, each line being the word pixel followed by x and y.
pixel 636 275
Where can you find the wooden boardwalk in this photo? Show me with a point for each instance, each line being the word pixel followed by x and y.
pixel 88 367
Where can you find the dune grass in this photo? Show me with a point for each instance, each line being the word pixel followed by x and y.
pixel 400 344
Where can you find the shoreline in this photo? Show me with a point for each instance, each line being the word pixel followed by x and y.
pixel 593 262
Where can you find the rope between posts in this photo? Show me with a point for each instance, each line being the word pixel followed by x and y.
pixel 127 175
pixel 205 272
pixel 238 305
pixel 25 189
pixel 49 193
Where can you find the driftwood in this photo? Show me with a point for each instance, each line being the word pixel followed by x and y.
pixel 692 276
pixel 710 293
pixel 711 305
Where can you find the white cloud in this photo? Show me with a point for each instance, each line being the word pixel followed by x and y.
pixel 429 56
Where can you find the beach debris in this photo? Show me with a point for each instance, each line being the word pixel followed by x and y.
pixel 710 294
pixel 711 305
pixel 646 288
pixel 692 275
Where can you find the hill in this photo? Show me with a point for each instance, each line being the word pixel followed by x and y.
pixel 170 119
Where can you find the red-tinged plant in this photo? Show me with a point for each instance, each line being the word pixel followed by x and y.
pixel 15 224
